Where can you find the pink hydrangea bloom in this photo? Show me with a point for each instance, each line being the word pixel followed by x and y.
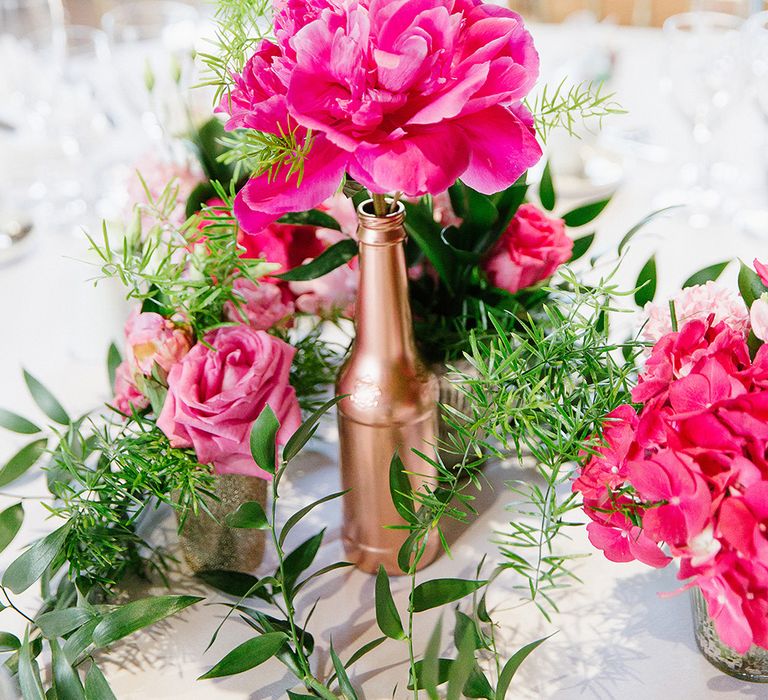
pixel 529 251
pixel 263 306
pixel 696 302
pixel 218 390
pixel 127 397
pixel 385 86
pixel 692 472
pixel 153 339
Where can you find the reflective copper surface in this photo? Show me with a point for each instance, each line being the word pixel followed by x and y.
pixel 391 403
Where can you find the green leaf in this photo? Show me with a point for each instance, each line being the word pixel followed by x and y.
pixel 299 514
pixel 9 642
pixel 306 430
pixel 629 235
pixel 80 640
pixel 133 616
pixel 400 489
pixel 113 361
pixel 29 672
pixel 426 232
pixel 299 696
pixel 387 615
pixel 750 285
pixel 706 274
pixel 584 214
pixel 363 650
pixel 645 287
pixel 263 437
pixel 477 685
pixel 16 423
pixel 46 400
pixel 547 189
pixel 66 680
pixel 313 217
pixel 57 623
pixel 201 194
pixel 407 554
pixel 345 686
pixel 300 559
pixel 249 515
pixel 466 625
pixel 335 256
pixel 477 210
pixel 247 655
pixel 10 524
pixel 236 583
pixel 428 674
pixel 21 461
pixel 581 246
pixel 461 668
pixel 96 686
pixel 440 591
pixel 29 566
pixel 510 668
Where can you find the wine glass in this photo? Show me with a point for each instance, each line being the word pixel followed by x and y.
pixel 754 219
pixel 153 44
pixel 704 79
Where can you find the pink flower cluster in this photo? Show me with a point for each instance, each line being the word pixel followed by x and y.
pixel 690 472
pixel 529 251
pixel 405 95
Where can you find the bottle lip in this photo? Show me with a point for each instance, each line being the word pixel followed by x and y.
pixel 380 230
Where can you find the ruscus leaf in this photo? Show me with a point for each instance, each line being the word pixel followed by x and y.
pixel 249 515
pixel 25 458
pixel 547 189
pixel 582 215
pixel 247 655
pixel 46 400
pixel 10 524
pixel 706 274
pixel 335 256
pixel 387 615
pixel 263 437
pixel 646 283
pixel 440 591
pixel 16 423
pixel 29 566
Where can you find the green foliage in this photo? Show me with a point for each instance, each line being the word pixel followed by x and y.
pixel 332 257
pixel 565 107
pixel 706 274
pixel 750 284
pixel 645 287
pixel 541 392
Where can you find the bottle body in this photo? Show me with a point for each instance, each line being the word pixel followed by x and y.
pixel 390 402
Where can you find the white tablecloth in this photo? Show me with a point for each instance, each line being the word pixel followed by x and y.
pixel 616 636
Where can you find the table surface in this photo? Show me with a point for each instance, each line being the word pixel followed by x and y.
pixel 617 634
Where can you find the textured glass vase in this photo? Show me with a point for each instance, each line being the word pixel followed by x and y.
pixel 752 666
pixel 209 544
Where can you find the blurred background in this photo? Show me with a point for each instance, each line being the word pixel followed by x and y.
pixel 94 91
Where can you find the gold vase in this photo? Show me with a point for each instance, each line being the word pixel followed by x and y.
pixel 209 544
pixel 391 399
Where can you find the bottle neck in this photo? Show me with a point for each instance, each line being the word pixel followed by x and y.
pixel 383 314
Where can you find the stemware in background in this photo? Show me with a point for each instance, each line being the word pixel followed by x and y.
pixel 704 80
pixel 754 217
pixel 153 44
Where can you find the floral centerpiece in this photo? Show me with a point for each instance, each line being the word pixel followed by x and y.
pixel 683 477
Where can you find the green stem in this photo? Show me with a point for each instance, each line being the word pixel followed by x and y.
pixel 289 610
pixel 411 655
pixel 380 206
pixel 10 603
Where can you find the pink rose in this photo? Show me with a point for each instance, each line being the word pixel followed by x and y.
pixel 384 86
pixel 264 304
pixel 758 317
pixel 127 394
pixel 529 251
pixel 215 393
pixel 152 339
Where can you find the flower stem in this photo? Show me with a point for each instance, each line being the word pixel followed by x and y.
pixel 411 655
pixel 380 206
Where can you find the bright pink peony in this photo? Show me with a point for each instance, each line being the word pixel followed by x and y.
pixel 263 306
pixel 405 95
pixel 127 397
pixel 220 388
pixel 529 251
pixel 152 339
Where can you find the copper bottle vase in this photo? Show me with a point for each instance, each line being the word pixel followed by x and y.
pixel 390 402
